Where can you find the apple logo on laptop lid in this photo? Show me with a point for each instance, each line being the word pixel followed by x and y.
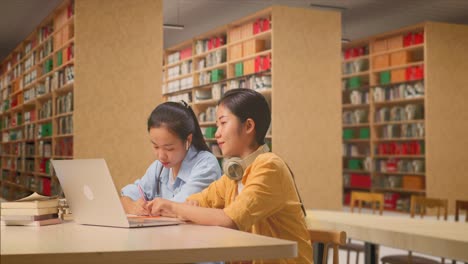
pixel 88 192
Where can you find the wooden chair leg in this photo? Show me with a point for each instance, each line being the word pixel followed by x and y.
pixel 357 257
pixel 335 255
pixel 325 254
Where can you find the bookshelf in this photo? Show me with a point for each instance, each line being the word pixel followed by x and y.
pixel 393 125
pixel 200 70
pixel 36 88
pixel 252 53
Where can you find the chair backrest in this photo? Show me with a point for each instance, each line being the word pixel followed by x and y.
pixel 423 203
pixel 461 205
pixel 369 197
pixel 328 238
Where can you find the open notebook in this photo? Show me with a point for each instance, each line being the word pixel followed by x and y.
pixel 93 198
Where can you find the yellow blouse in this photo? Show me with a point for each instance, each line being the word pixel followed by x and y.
pixel 267 205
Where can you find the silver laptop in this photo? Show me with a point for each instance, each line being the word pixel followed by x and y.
pixel 92 197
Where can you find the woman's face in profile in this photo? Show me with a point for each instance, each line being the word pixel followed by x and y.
pixel 229 134
pixel 168 148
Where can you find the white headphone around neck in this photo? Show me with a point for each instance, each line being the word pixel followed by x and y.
pixel 234 167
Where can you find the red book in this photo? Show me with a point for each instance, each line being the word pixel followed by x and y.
pixel 266 65
pixel 46 186
pixel 258 62
pixel 391 165
pixel 213 42
pixel 358 180
pixel 390 200
pixel 408 39
pixel 418 38
pixel 210 44
pixel 70 10
pixel 257 27
pixel 347 54
pixel 265 24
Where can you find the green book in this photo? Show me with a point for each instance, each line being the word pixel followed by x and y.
pixel 354 164
pixel 348 134
pixel 46 130
pixel 59 58
pixel 210 132
pixel 385 77
pixel 354 83
pixel 217 75
pixel 239 69
pixel 364 133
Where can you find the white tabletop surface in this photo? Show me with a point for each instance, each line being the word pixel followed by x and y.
pixel 74 243
pixel 438 238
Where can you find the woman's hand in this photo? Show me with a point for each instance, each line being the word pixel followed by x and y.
pixel 161 207
pixel 138 207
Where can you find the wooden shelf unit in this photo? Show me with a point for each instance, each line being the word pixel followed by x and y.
pixel 440 132
pixel 232 36
pixel 290 72
pixel 54 74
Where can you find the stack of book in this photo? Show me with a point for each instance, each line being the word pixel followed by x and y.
pixel 34 210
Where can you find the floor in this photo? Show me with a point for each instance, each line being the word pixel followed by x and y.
pixel 383 251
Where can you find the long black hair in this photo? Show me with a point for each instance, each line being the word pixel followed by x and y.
pixel 247 103
pixel 180 119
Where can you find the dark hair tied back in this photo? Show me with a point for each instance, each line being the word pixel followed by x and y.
pixel 180 119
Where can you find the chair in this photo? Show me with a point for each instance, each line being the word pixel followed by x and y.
pixel 361 197
pixel 328 238
pixel 422 203
pixel 371 198
pixel 461 205
pixel 425 203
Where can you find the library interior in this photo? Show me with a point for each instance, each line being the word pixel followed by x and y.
pixel 367 106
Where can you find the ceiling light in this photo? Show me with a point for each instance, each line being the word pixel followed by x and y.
pixel 345 40
pixel 173 26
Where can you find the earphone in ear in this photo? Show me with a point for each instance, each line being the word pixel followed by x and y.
pixel 234 167
pixel 187 145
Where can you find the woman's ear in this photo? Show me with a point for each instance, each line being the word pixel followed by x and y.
pixel 188 142
pixel 249 125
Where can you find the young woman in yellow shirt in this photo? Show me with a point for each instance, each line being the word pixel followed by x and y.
pixel 257 194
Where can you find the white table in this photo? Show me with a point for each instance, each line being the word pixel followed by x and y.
pixel 432 237
pixel 74 243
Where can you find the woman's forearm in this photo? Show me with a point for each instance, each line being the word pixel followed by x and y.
pixel 203 216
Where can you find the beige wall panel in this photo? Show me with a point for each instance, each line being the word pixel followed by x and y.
pixel 307 101
pixel 118 82
pixel 447 112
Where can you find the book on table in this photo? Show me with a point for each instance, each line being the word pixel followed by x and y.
pixel 34 200
pixel 50 221
pixel 34 210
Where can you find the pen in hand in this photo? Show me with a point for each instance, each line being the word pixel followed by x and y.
pixel 142 194
pixel 145 201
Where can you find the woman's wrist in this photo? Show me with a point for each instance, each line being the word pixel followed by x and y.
pixel 174 208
